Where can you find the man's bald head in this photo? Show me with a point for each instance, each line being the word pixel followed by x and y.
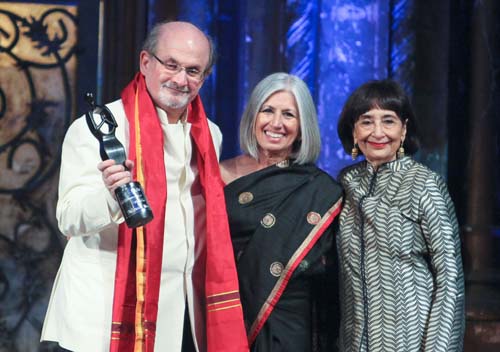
pixel 173 28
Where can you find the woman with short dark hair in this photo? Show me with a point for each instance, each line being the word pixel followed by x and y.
pixel 401 270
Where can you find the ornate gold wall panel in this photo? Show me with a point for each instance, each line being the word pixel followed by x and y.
pixel 37 99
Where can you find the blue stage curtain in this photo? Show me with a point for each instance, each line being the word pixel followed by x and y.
pixel 353 48
pixel 203 15
pixel 402 43
pixel 333 45
pixel 302 41
pixel 419 60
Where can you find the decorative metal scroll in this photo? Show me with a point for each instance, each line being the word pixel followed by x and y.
pixel 37 70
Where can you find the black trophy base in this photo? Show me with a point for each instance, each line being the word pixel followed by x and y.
pixel 133 204
pixel 140 218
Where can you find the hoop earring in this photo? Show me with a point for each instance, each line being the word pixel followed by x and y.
pixel 354 152
pixel 401 151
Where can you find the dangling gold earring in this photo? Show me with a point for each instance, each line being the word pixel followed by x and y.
pixel 354 151
pixel 401 151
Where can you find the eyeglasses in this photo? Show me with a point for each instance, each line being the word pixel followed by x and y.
pixel 174 68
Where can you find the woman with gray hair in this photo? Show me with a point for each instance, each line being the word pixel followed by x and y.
pixel 282 213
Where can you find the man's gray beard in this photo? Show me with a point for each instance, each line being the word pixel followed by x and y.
pixel 173 103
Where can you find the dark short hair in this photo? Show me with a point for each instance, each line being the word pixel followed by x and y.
pixel 151 42
pixel 384 94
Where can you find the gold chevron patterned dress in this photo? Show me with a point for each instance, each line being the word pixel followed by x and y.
pixel 401 276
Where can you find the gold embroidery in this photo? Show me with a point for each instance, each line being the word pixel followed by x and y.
pixel 222 302
pixel 245 197
pixel 224 308
pixel 313 218
pixel 276 269
pixel 268 220
pixel 283 163
pixel 222 293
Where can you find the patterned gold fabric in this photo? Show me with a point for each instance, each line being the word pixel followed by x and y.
pixel 402 285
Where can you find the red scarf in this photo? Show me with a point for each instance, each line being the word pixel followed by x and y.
pixel 138 270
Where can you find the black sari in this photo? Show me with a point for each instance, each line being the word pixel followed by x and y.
pixel 282 227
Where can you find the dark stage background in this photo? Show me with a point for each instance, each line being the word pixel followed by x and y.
pixel 445 52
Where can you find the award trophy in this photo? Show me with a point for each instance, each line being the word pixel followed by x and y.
pixel 130 197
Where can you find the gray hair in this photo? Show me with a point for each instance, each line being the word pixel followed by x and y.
pixel 307 147
pixel 151 42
